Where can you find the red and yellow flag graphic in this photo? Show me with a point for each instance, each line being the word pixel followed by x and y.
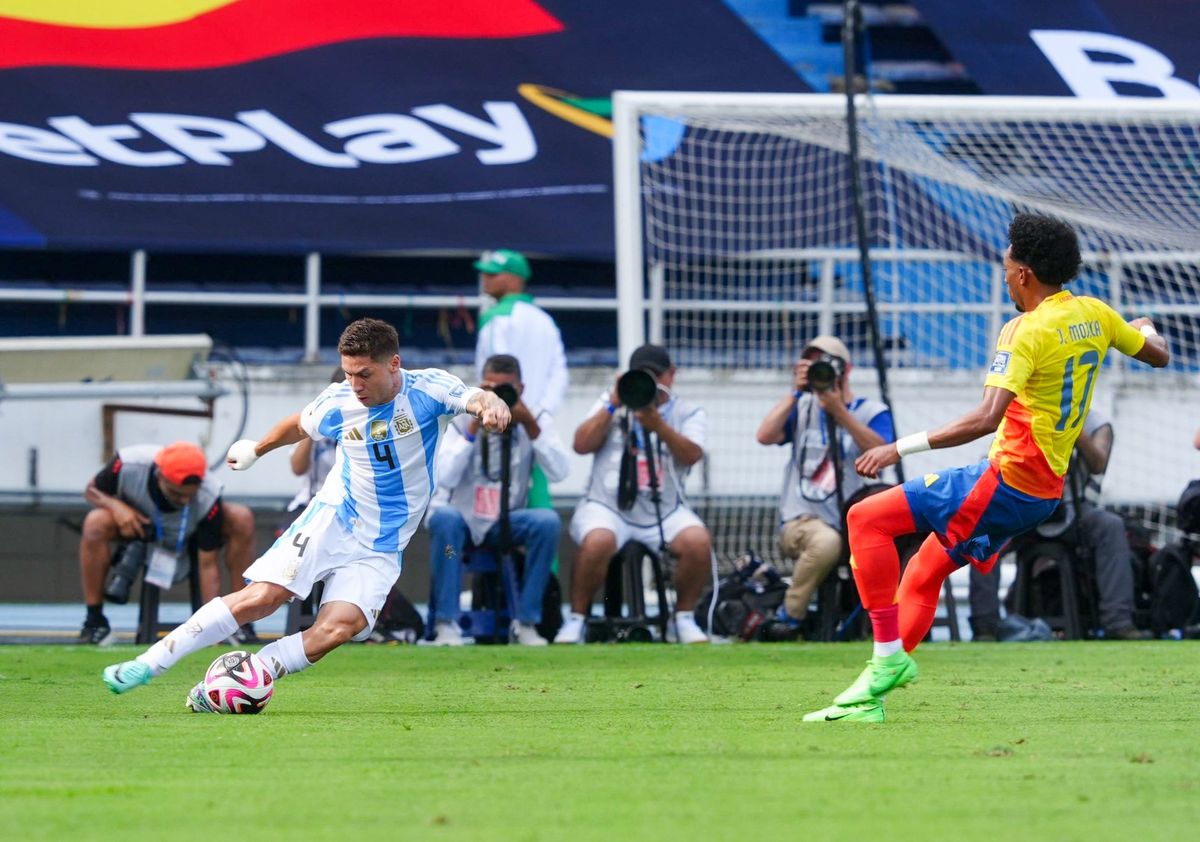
pixel 194 34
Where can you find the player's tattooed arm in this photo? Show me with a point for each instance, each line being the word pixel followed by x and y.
pixel 492 412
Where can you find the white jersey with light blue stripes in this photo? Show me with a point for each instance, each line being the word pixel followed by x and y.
pixel 383 476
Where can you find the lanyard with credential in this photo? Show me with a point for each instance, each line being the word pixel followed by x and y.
pixel 183 521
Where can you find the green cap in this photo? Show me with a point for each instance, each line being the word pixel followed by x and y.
pixel 503 260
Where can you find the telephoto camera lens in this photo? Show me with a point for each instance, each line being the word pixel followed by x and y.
pixel 637 388
pixel 507 393
pixel 822 375
pixel 124 571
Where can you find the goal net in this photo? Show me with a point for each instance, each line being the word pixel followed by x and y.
pixel 736 245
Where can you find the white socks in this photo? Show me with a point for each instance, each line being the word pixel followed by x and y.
pixel 285 655
pixel 891 647
pixel 212 623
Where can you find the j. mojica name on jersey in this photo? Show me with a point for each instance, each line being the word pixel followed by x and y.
pixel 368 139
pixel 1080 331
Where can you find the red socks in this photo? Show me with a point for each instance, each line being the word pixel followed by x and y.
pixel 920 589
pixel 873 525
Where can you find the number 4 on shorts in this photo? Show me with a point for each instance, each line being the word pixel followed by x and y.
pixel 296 542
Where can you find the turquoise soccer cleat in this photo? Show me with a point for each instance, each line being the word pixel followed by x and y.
pixel 123 677
pixel 871 711
pixel 882 675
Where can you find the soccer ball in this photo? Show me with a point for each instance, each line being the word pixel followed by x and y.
pixel 238 682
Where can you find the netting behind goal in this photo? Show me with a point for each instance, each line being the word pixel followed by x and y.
pixel 742 212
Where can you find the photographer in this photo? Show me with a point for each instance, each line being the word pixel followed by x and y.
pixel 467 502
pixel 660 441
pixel 155 500
pixel 827 428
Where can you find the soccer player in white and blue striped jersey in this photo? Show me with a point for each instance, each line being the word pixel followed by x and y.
pixel 387 422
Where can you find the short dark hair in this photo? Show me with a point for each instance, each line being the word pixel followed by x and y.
pixel 502 364
pixel 1046 245
pixel 369 338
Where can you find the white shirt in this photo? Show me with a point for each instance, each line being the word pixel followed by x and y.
pixel 516 326
pixel 384 472
pixel 473 487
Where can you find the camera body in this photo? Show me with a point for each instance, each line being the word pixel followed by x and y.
pixel 824 373
pixel 507 393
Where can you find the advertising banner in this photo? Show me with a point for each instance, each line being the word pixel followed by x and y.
pixel 297 125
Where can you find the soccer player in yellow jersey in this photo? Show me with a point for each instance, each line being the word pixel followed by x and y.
pixel 1036 395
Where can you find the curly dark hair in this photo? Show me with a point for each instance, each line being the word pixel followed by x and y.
pixel 1046 245
pixel 369 338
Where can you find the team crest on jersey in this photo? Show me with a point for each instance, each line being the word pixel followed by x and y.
pixel 378 430
pixel 1000 362
pixel 404 424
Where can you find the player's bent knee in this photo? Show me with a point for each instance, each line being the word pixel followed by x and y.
pixel 859 516
pixel 256 600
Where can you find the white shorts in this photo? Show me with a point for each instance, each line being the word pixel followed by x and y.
pixel 591 515
pixel 318 548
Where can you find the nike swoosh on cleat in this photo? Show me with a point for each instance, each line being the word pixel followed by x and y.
pixel 829 718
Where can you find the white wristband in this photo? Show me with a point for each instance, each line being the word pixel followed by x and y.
pixel 915 443
pixel 1148 330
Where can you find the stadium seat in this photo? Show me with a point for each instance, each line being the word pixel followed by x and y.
pixel 1045 564
pixel 625 617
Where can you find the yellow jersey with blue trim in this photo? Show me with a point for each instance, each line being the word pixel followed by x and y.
pixel 1050 359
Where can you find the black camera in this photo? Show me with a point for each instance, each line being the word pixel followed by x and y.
pixel 824 372
pixel 124 571
pixel 507 393
pixel 637 388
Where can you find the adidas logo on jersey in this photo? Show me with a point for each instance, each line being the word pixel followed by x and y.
pixel 354 435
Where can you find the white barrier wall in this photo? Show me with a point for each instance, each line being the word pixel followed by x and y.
pixel 1153 458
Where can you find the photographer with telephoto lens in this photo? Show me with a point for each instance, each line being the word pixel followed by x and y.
pixel 644 440
pixel 827 428
pixel 468 504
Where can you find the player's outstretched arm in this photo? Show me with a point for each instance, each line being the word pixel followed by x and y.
pixel 1155 352
pixel 492 412
pixel 980 421
pixel 244 453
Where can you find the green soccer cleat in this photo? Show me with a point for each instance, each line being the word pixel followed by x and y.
pixel 197 701
pixel 871 711
pixel 882 676
pixel 123 677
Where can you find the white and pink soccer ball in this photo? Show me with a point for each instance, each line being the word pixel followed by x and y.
pixel 238 682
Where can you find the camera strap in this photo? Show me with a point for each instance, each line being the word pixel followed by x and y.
pixel 627 480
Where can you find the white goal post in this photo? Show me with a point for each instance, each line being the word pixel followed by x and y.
pixel 736 243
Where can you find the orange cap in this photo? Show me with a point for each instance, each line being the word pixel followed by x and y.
pixel 181 463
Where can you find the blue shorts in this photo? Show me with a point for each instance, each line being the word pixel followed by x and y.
pixel 973 512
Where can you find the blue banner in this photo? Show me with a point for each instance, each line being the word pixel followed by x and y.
pixel 265 125
pixel 1086 48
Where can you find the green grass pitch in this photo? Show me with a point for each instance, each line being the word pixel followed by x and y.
pixel 1054 741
